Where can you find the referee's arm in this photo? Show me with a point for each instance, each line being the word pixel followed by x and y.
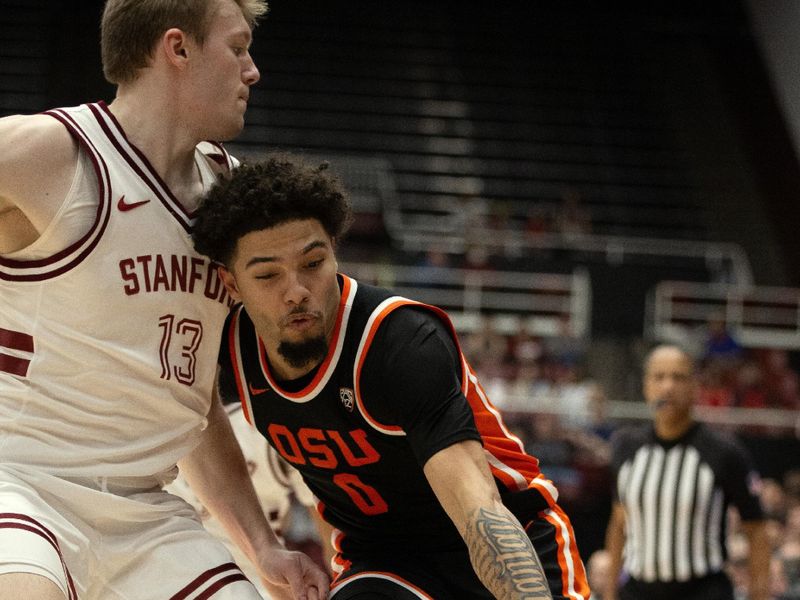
pixel 758 559
pixel 615 542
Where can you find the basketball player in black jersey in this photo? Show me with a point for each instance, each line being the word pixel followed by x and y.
pixel 368 395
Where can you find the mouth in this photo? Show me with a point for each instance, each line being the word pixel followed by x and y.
pixel 664 404
pixel 300 321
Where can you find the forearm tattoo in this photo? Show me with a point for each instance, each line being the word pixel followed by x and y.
pixel 503 557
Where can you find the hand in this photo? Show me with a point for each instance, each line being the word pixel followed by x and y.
pixel 290 575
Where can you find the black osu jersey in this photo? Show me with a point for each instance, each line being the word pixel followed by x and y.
pixel 359 434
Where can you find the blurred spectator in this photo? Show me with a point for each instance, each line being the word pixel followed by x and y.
pixel 773 499
pixel 786 568
pixel 715 387
pixel 791 487
pixel 572 218
pixel 781 380
pixel 789 557
pixel 435 257
pixel 720 343
pixel 551 444
pixel 432 258
pixel 749 390
pixel 525 388
pixel 564 350
pixel 487 350
pixel 600 423
pixel 526 349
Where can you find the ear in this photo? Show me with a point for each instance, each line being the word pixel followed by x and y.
pixel 230 283
pixel 174 45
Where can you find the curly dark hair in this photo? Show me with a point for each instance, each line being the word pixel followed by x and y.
pixel 263 194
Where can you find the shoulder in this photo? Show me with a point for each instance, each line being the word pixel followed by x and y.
pixel 414 326
pixel 25 137
pixel 719 443
pixel 38 155
pixel 630 434
pixel 627 439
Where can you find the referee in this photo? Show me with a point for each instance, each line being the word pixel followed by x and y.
pixel 674 480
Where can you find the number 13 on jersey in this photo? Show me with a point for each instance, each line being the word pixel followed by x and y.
pixel 181 337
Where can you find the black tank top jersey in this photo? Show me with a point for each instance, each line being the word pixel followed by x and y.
pixel 393 390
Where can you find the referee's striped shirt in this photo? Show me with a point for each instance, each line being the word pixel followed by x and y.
pixel 675 494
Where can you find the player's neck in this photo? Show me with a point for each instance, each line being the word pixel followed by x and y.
pixel 283 371
pixel 159 135
pixel 672 429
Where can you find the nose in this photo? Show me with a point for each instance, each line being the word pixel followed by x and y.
pixel 296 292
pixel 250 74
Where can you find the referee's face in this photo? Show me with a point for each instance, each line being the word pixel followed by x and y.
pixel 670 386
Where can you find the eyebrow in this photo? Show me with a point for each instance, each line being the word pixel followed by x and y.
pixel 271 259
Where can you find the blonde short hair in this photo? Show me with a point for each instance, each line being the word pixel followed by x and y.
pixel 130 29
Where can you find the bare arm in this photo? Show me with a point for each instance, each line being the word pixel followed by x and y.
pixel 500 551
pixel 615 542
pixel 37 163
pixel 324 530
pixel 758 559
pixel 217 473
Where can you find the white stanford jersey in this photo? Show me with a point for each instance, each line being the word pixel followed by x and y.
pixel 108 348
pixel 273 479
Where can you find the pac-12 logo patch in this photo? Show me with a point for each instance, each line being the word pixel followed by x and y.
pixel 346 395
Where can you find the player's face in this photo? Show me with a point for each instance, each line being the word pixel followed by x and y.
pixel 222 74
pixel 286 278
pixel 670 386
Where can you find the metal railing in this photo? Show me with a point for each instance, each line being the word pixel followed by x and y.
pixel 757 316
pixel 542 303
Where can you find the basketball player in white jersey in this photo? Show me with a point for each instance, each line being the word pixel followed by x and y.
pixel 276 482
pixel 110 326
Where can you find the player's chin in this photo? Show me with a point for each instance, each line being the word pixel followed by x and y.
pixel 230 129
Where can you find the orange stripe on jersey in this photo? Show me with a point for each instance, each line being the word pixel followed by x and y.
pixel 574 583
pixel 375 320
pixel 322 371
pixel 511 464
pixel 505 453
pixel 237 371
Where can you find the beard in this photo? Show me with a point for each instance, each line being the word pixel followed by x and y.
pixel 301 354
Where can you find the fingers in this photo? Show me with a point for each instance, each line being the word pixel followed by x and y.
pixel 306 580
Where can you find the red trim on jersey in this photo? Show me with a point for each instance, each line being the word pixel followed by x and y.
pixel 323 368
pixel 218 585
pixel 33 526
pixel 147 173
pixel 574 583
pixel 16 340
pixel 201 579
pixel 382 575
pixel 240 385
pixel 14 365
pixel 95 232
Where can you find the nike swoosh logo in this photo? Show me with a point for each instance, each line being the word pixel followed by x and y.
pixel 256 391
pixel 126 206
